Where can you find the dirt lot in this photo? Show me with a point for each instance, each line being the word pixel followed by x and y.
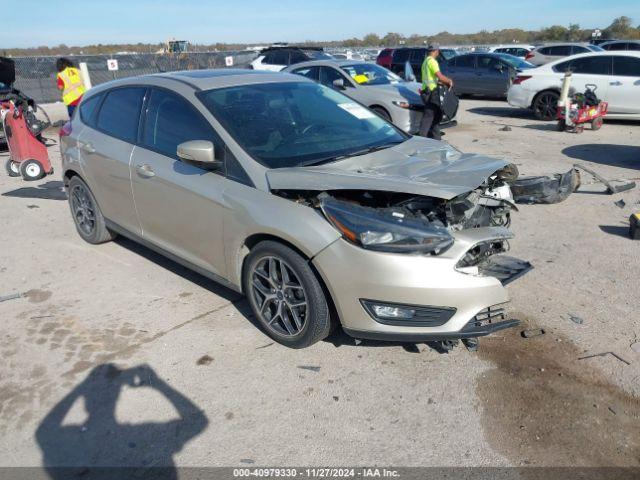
pixel 217 391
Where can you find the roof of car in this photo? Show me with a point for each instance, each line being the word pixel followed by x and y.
pixel 618 41
pixel 208 79
pixel 617 53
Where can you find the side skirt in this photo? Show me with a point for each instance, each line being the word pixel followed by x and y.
pixel 151 246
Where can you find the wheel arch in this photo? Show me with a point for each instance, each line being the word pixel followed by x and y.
pixel 546 90
pixel 68 174
pixel 381 107
pixel 256 238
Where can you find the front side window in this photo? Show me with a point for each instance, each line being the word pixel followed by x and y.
pixel 626 66
pixel 617 46
pixel 120 113
pixel 293 124
pixel 312 73
pixel 328 75
pixel 371 74
pixel 560 51
pixel 465 61
pixel 588 65
pixel 297 57
pixel 171 120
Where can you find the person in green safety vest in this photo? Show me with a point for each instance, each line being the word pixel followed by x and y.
pixel 431 76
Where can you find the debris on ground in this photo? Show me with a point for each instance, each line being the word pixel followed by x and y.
pixel 309 367
pixel 545 189
pixel 532 333
pixel 634 226
pixel 613 186
pixel 264 346
pixel 576 319
pixel 620 203
pixel 506 128
pixel 32 206
pixel 11 296
pixel 635 347
pixel 204 360
pixel 604 354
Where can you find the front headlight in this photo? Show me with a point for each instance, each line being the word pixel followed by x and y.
pixel 386 230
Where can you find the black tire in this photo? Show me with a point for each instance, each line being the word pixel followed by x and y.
pixel 32 170
pixel 12 168
pixel 306 326
pixel 545 105
pixel 596 123
pixel 86 213
pixel 381 112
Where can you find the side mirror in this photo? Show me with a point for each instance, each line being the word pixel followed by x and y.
pixel 199 151
pixel 498 67
pixel 339 83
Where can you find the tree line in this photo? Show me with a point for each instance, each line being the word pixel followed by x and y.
pixel 620 28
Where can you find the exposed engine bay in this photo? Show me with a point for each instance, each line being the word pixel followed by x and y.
pixel 403 222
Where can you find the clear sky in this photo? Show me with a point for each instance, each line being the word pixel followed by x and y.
pixel 51 22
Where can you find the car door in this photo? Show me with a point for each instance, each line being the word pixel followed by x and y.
pixel 463 72
pixel 106 148
pixel 492 76
pixel 595 70
pixel 624 88
pixel 179 204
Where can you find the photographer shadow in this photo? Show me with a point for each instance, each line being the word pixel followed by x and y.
pixel 100 447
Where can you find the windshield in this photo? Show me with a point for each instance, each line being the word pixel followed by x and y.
pixel 294 124
pixel 370 74
pixel 515 62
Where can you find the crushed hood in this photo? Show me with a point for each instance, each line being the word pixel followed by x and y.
pixel 418 166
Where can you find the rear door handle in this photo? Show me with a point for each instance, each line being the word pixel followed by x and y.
pixel 615 83
pixel 145 171
pixel 86 147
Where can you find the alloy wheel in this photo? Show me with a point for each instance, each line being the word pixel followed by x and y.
pixel 83 210
pixel 546 105
pixel 279 296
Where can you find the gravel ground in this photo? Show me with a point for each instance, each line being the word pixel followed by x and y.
pixel 217 391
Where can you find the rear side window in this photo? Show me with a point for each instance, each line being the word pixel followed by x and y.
pixel 297 57
pixel 589 65
pixel 171 120
pixel 626 66
pixel 464 61
pixel 120 113
pixel 633 46
pixel 575 49
pixel 617 46
pixel 281 57
pixel 88 108
pixel 401 56
pixel 417 55
pixel 559 50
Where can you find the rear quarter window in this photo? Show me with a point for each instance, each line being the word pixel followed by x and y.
pixel 88 109
pixel 120 113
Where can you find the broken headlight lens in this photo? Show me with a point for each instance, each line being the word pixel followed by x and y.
pixel 385 230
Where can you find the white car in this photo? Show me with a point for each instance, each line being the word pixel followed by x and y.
pixel 616 76
pixel 275 59
pixel 516 50
pixel 550 53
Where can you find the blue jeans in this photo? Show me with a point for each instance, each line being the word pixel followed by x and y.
pixel 71 109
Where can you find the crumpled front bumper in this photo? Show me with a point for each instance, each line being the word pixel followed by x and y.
pixel 353 274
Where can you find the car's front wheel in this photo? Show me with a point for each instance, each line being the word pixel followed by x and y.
pixel 285 295
pixel 86 214
pixel 545 105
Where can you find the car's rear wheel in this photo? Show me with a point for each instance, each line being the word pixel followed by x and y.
pixel 285 295
pixel 545 105
pixel 86 214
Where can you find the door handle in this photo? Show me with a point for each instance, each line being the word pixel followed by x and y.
pixel 145 171
pixel 615 84
pixel 86 147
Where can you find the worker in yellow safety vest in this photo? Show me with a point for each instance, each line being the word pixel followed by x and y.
pixel 431 76
pixel 70 82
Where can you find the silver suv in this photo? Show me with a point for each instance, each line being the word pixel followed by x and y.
pixel 313 206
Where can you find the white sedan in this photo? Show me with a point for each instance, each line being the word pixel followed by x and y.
pixel 616 76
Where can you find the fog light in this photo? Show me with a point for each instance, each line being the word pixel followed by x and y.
pixel 387 311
